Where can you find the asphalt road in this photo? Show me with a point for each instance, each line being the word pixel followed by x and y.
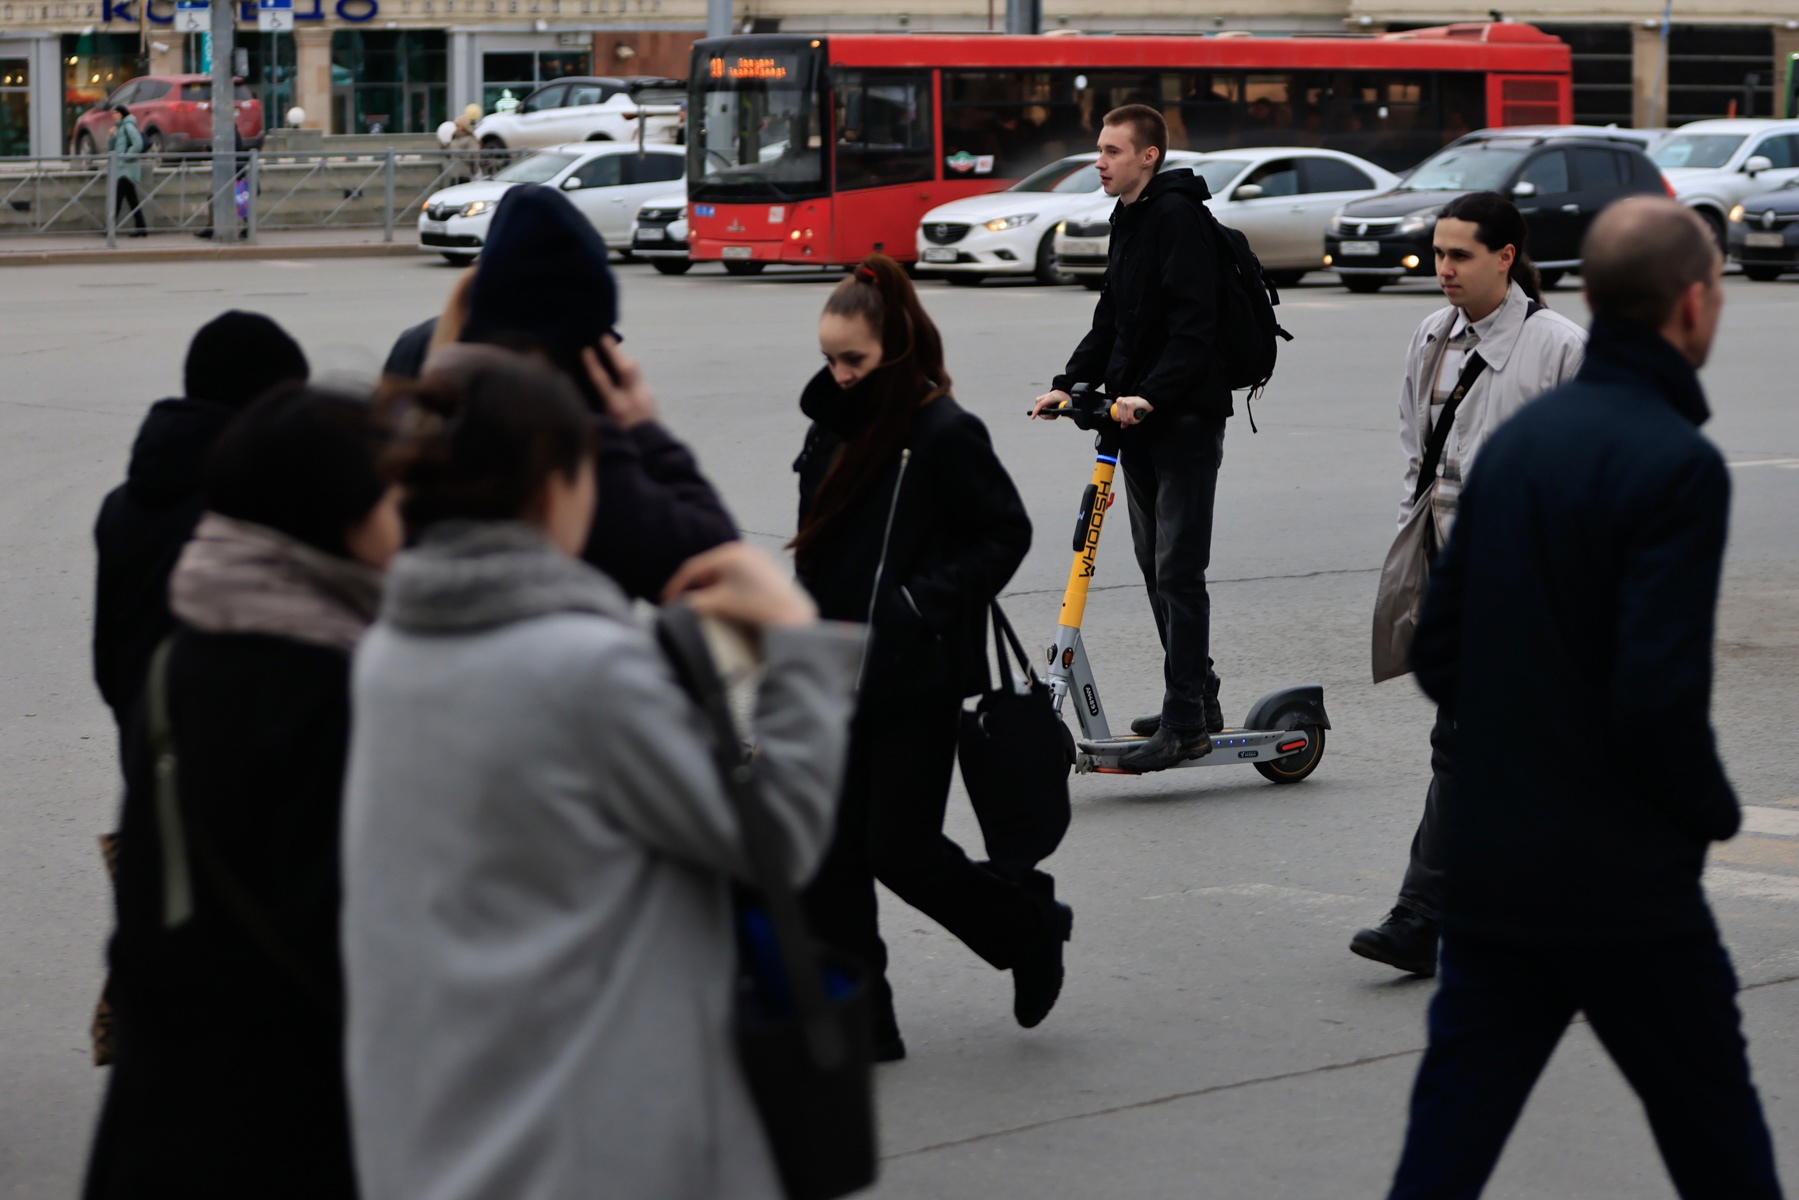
pixel 1216 1038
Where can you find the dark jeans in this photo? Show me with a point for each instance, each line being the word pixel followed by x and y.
pixel 1170 484
pixel 1664 1010
pixel 128 203
pixel 890 827
pixel 1422 889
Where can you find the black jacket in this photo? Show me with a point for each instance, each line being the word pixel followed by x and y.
pixel 1569 630
pixel 143 524
pixel 229 1075
pixel 959 532
pixel 1155 327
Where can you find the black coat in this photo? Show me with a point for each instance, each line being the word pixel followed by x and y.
pixel 1568 628
pixel 1156 324
pixel 142 526
pixel 959 532
pixel 229 1080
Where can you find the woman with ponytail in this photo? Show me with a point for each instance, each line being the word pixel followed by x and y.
pixel 908 522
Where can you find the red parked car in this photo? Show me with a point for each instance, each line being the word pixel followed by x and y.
pixel 174 112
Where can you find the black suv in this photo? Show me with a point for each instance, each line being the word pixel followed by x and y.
pixel 1763 234
pixel 1558 183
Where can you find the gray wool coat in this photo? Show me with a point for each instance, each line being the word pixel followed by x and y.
pixel 537 851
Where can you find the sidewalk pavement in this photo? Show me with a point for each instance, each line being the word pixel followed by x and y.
pixel 64 249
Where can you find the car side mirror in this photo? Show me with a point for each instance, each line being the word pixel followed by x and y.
pixel 572 184
pixel 1524 188
pixel 1757 164
pixel 1249 191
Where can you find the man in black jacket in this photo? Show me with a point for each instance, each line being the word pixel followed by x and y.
pixel 1572 609
pixel 1152 345
pixel 145 521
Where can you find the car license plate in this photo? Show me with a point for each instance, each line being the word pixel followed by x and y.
pixel 938 254
pixel 431 226
pixel 1359 249
pixel 1078 246
pixel 653 233
pixel 735 252
pixel 1764 241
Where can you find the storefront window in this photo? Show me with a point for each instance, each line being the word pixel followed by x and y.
pixel 523 72
pixel 15 107
pixel 94 66
pixel 385 81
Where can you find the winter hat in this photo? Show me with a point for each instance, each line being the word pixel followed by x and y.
pixel 238 356
pixel 543 276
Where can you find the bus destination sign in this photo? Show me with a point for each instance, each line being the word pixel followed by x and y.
pixel 734 67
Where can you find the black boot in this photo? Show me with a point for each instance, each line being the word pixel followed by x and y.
pixel 1166 749
pixel 1213 712
pixel 1406 940
pixel 1037 975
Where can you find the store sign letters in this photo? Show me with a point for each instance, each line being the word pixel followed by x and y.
pixel 355 11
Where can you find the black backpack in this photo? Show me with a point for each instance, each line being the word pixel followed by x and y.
pixel 1248 334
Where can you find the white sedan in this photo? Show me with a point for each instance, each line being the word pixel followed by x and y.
pixel 1280 197
pixel 606 181
pixel 588 110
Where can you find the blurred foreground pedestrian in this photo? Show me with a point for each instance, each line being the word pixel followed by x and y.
pixel 1573 608
pixel 144 522
pixel 539 848
pixel 1469 368
pixel 228 1080
pixel 909 522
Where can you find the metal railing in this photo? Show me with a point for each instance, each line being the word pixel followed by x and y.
pixel 281 190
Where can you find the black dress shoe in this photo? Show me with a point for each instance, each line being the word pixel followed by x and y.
pixel 1037 975
pixel 1166 749
pixel 1406 940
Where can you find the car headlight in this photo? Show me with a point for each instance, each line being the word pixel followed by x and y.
pixel 1418 222
pixel 1736 214
pixel 474 208
pixel 1337 217
pixel 1001 224
pixel 1061 226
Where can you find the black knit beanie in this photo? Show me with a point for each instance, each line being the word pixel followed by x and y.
pixel 301 461
pixel 543 275
pixel 238 356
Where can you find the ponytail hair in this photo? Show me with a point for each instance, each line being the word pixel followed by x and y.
pixel 1499 224
pixel 911 375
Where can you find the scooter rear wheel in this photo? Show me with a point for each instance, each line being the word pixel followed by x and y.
pixel 1296 767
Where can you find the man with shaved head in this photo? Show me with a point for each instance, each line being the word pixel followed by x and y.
pixel 1568 630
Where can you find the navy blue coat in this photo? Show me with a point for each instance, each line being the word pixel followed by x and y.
pixel 1568 628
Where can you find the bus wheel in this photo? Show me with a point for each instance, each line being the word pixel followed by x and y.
pixel 740 267
pixel 672 266
pixel 1364 285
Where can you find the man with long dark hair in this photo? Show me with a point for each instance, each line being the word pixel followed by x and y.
pixel 1153 345
pixel 1498 346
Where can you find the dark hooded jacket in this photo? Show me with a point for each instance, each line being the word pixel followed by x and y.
pixel 959 531
pixel 1156 324
pixel 143 524
pixel 1568 628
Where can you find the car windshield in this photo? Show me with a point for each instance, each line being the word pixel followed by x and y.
pixel 1217 172
pixel 1070 177
pixel 758 131
pixel 1696 150
pixel 1482 167
pixel 536 168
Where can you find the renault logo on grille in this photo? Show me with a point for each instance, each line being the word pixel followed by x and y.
pixel 1362 228
pixel 1768 219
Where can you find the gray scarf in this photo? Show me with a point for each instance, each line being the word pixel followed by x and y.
pixel 236 577
pixel 467 576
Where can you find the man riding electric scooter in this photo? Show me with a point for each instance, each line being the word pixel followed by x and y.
pixel 1153 345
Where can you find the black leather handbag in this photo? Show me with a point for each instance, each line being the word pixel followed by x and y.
pixel 803 1021
pixel 1015 755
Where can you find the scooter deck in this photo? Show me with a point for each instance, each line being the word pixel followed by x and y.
pixel 1230 748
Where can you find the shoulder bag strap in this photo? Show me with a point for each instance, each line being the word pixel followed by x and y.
pixel 1003 635
pixel 178 835
pixel 1439 433
pixel 678 630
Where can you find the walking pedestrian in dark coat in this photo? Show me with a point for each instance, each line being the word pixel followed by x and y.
pixel 543 287
pixel 909 522
pixel 1153 345
pixel 228 1079
pixel 145 521
pixel 1574 607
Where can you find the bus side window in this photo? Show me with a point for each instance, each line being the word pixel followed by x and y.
pixel 884 129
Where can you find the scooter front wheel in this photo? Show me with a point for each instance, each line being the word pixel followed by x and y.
pixel 1295 767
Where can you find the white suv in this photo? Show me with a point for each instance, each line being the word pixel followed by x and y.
pixel 1713 166
pixel 589 110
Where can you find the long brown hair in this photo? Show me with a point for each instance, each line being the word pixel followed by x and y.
pixel 911 375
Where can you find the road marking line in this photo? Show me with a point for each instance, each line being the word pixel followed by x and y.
pixel 1789 463
pixel 1750 885
pixel 1256 891
pixel 1776 822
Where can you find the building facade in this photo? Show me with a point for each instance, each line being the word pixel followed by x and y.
pixel 400 66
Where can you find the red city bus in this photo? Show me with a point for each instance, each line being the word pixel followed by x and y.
pixel 822 150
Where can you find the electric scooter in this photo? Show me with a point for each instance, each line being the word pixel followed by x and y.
pixel 1283 735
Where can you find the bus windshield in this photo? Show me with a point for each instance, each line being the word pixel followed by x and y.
pixel 1481 167
pixel 757 129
